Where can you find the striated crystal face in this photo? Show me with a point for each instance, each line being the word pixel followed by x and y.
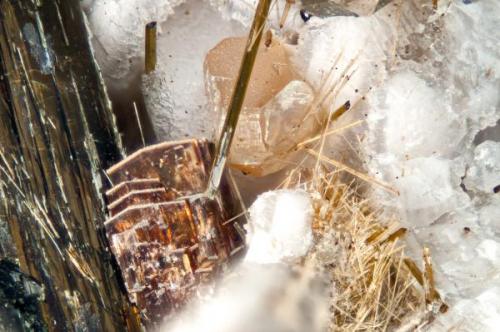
pixel 166 237
pixel 278 111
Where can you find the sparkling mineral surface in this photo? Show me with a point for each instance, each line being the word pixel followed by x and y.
pixel 424 82
pixel 168 239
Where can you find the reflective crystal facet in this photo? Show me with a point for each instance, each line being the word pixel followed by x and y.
pixel 167 238
pixel 278 110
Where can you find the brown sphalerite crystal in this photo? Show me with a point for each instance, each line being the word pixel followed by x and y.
pixel 167 237
pixel 127 187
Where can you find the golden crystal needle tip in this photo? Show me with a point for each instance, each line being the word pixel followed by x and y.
pixel 150 56
pixel 288 4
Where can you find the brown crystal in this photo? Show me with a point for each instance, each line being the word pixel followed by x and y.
pixel 181 167
pixel 125 187
pixel 137 197
pixel 166 237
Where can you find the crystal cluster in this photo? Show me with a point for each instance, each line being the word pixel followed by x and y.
pixel 424 83
pixel 168 239
pixel 424 122
pixel 278 112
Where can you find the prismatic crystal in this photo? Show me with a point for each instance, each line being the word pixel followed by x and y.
pixel 167 236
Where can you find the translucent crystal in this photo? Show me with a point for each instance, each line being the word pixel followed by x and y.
pixel 278 110
pixel 118 34
pixel 483 310
pixel 272 71
pixel 484 174
pixel 422 122
pixel 266 137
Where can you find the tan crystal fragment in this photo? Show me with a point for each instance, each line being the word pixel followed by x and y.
pixel 265 139
pixel 278 110
pixel 271 72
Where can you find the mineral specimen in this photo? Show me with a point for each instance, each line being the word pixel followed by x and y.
pixel 423 121
pixel 57 132
pixel 270 291
pixel 168 239
pixel 19 297
pixel 278 111
pixel 279 227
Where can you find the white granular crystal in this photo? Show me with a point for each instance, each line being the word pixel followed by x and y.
pixel 118 34
pixel 280 227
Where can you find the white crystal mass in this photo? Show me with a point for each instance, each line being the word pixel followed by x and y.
pixel 279 228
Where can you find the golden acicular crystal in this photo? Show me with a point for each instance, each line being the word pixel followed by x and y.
pixel 278 111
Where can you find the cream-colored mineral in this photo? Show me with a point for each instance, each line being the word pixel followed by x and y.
pixel 278 111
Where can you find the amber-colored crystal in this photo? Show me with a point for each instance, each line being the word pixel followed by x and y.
pixel 278 111
pixel 166 237
pixel 272 71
